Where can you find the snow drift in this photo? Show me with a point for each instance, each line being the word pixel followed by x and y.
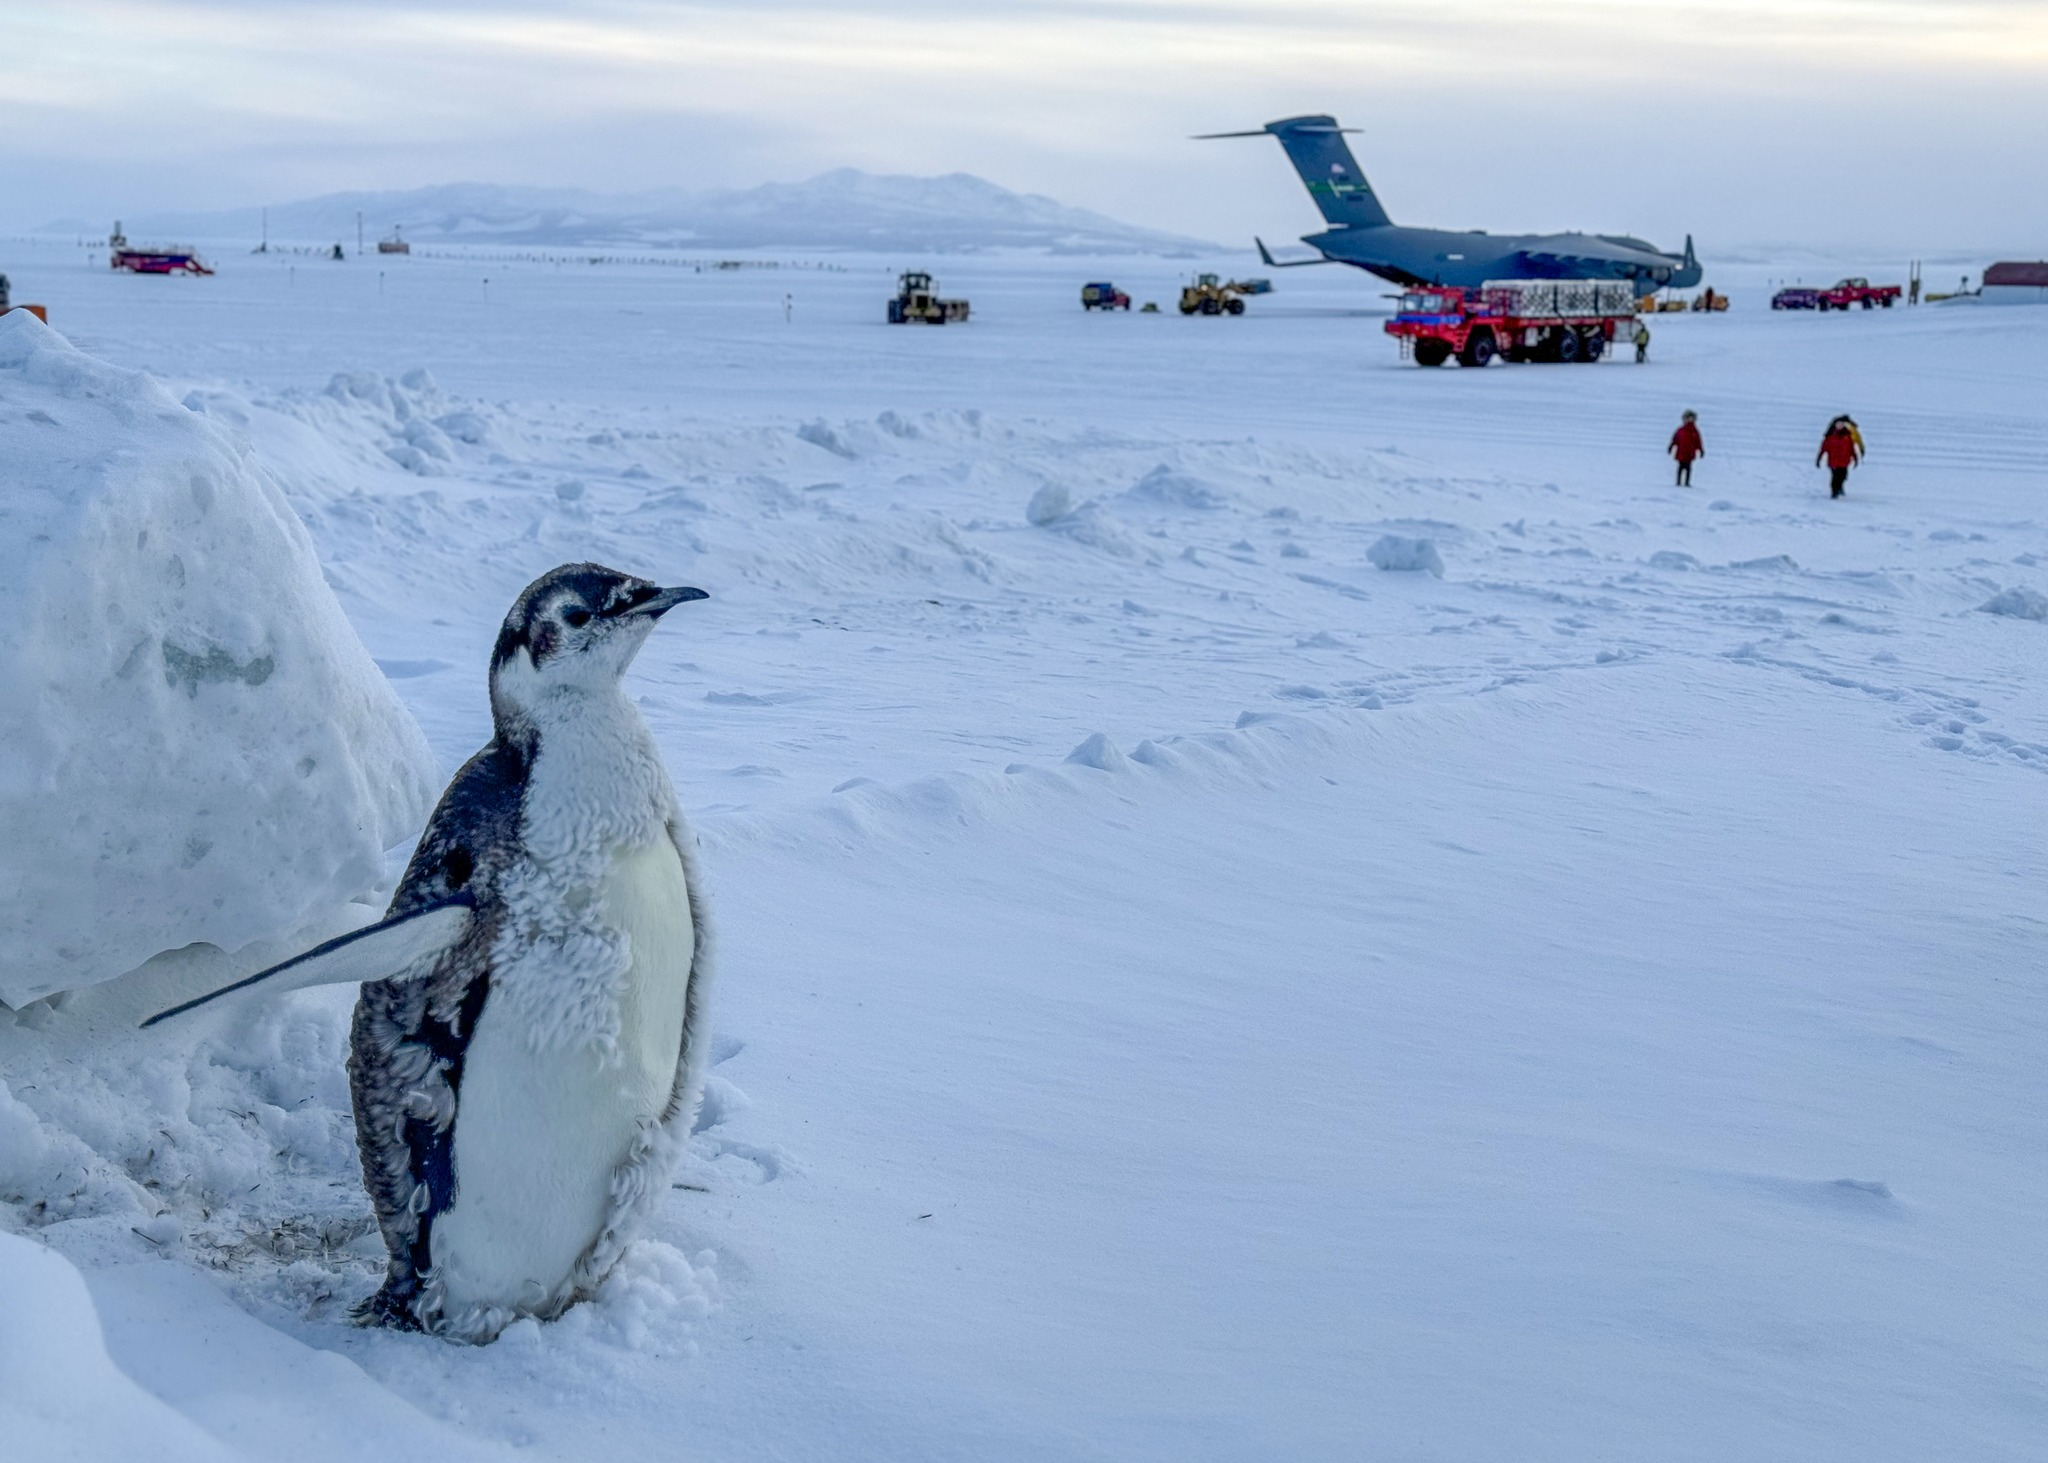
pixel 65 1398
pixel 198 748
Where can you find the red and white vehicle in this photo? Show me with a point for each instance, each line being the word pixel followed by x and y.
pixel 1519 319
pixel 169 259
pixel 1858 291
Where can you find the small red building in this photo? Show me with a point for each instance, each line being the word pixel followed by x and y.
pixel 2016 283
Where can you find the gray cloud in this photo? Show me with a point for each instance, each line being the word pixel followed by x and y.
pixel 1881 120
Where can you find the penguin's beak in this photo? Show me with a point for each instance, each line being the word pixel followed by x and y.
pixel 663 600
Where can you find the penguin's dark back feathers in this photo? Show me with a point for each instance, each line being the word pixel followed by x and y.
pixel 471 835
pixel 408 1039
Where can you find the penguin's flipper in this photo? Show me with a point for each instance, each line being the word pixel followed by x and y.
pixel 375 952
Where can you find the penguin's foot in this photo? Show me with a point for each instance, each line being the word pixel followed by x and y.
pixel 387 1309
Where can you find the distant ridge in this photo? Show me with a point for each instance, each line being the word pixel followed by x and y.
pixel 842 209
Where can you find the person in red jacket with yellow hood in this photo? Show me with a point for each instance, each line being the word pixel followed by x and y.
pixel 1686 444
pixel 1841 449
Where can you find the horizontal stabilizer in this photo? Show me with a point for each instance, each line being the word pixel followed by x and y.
pixel 375 952
pixel 1272 263
pixel 1267 131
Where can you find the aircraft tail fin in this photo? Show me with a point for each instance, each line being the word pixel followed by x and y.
pixel 1689 272
pixel 1316 147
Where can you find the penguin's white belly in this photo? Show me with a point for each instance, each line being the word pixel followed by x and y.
pixel 538 1134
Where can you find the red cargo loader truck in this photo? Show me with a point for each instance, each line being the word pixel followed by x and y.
pixel 1563 320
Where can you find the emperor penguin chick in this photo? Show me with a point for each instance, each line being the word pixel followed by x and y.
pixel 527 1046
pixel 520 1106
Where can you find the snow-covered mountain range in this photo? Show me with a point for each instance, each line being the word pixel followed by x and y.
pixel 842 209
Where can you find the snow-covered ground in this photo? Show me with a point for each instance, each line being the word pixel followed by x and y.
pixel 1187 992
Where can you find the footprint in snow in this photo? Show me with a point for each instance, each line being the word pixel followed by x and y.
pixel 721 1101
pixel 1871 1198
pixel 744 1161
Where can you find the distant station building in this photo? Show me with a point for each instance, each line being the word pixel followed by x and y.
pixel 2016 284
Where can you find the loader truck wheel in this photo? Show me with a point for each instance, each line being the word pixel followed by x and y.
pixel 1235 307
pixel 1432 352
pixel 1478 350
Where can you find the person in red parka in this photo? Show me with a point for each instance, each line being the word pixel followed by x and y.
pixel 1840 450
pixel 1685 446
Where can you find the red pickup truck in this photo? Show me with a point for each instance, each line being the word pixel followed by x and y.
pixel 1844 293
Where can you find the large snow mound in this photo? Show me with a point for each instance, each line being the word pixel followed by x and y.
pixel 197 747
pixel 61 1396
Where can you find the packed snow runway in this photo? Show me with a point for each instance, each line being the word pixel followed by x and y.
pixel 1187 991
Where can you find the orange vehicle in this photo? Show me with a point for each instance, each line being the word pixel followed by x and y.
pixel 36 310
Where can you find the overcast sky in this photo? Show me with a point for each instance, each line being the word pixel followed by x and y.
pixel 1905 124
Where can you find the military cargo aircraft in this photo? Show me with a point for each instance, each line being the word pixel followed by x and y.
pixel 1361 234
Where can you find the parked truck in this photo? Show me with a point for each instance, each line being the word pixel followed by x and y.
pixel 1858 291
pixel 1838 296
pixel 1104 296
pixel 162 259
pixel 1561 320
pixel 917 302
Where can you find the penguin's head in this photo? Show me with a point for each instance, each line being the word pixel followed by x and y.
pixel 575 628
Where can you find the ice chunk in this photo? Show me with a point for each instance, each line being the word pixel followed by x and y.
pixel 1396 552
pixel 2021 604
pixel 1163 485
pixel 468 426
pixel 819 435
pixel 197 747
pixel 1049 504
pixel 1098 752
pixel 1091 525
